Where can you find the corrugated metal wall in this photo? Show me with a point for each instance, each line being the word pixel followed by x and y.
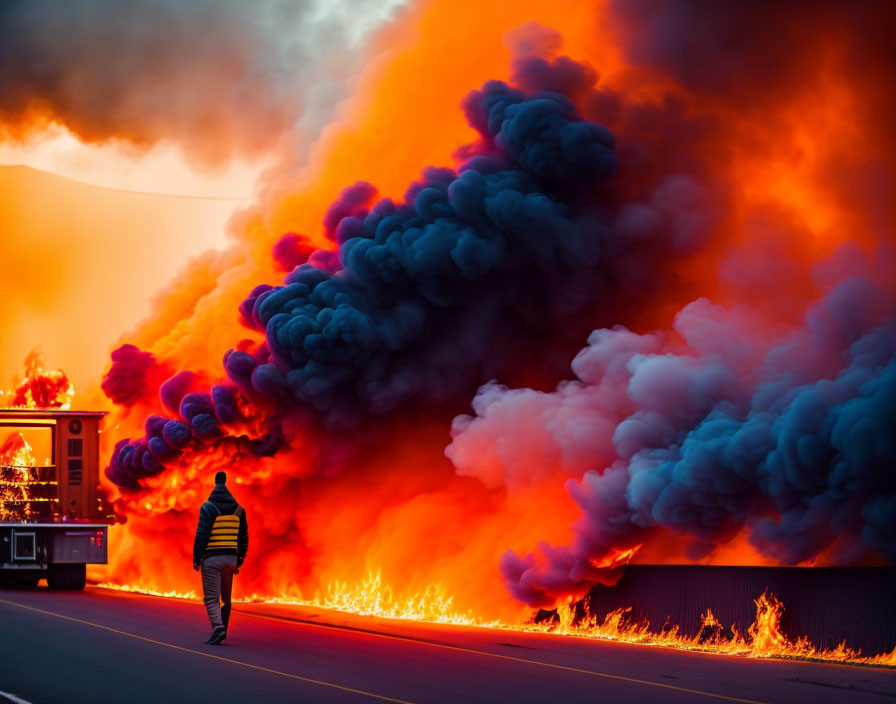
pixel 827 604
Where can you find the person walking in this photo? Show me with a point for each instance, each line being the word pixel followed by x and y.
pixel 220 546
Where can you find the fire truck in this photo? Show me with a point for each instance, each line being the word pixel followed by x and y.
pixel 54 518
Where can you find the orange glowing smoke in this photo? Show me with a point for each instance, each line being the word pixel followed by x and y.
pixel 306 538
pixel 41 388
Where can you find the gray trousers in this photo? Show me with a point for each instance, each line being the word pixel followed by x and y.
pixel 217 580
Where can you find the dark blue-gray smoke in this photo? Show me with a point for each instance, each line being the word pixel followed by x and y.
pixel 791 440
pixel 434 295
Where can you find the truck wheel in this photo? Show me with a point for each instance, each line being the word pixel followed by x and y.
pixel 67 576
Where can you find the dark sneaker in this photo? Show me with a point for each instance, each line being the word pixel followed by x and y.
pixel 217 636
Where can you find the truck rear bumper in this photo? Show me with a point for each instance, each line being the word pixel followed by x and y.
pixel 25 546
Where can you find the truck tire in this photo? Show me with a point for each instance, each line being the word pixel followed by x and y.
pixel 67 576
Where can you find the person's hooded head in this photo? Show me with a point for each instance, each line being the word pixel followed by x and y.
pixel 221 495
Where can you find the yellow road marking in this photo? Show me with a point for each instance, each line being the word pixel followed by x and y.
pixel 209 655
pixel 505 657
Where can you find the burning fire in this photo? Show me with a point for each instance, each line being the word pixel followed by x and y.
pixel 745 273
pixel 24 486
pixel 615 558
pixel 372 597
pixel 763 638
pixel 41 388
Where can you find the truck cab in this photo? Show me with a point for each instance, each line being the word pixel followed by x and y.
pixel 53 515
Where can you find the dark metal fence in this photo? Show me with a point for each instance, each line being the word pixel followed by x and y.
pixel 828 604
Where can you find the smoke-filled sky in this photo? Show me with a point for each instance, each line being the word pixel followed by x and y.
pixel 550 285
pixel 175 99
pixel 218 79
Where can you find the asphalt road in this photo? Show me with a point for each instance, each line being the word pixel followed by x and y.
pixel 103 646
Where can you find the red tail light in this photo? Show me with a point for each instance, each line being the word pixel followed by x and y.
pixel 99 538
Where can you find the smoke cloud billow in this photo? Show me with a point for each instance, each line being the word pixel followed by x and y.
pixel 703 46
pixel 789 437
pixel 428 284
pixel 433 295
pixel 133 376
pixel 737 422
pixel 218 78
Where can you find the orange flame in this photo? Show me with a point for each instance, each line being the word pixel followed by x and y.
pixel 22 483
pixel 617 557
pixel 765 632
pixel 42 388
pixel 709 620
pixel 372 597
pixel 764 638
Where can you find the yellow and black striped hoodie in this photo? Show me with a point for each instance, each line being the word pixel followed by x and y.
pixel 222 529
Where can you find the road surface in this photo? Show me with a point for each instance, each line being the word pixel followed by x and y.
pixel 105 646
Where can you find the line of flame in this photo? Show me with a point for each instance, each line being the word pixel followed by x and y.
pixel 763 639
